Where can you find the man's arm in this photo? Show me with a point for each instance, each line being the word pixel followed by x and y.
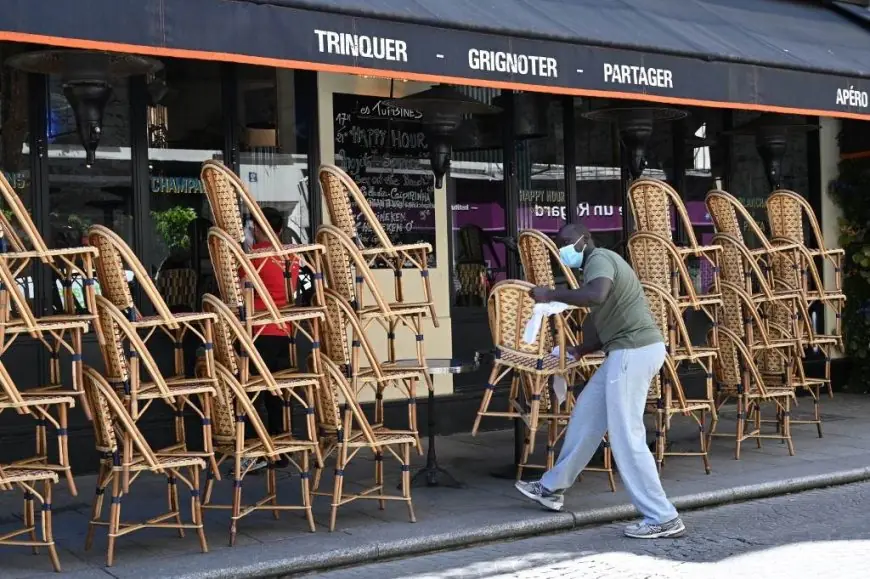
pixel 591 294
pixel 591 341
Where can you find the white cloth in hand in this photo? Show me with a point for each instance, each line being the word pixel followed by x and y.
pixel 533 327
pixel 560 385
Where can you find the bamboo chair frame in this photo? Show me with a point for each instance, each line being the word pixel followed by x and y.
pixel 58 334
pixel 28 246
pixel 26 480
pixel 233 408
pixel 129 364
pixel 348 273
pixel 651 201
pixel 657 261
pixel 285 384
pixel 799 380
pixel 46 408
pixel 341 193
pixel 738 376
pixel 510 306
pixel 667 394
pixel 229 261
pixel 114 255
pixel 126 456
pixel 375 375
pixel 347 431
pixel 225 191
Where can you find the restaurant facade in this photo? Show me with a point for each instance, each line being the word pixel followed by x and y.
pixel 736 95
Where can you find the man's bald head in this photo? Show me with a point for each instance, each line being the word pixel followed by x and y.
pixel 571 233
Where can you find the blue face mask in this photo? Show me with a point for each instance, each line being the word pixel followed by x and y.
pixel 571 257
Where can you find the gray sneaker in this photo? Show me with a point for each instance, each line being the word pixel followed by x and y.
pixel 644 530
pixel 552 500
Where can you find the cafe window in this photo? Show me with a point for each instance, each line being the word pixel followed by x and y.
pixel 81 194
pixel 599 176
pixel 477 196
pixel 185 126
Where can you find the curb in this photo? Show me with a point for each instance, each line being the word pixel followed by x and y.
pixel 254 567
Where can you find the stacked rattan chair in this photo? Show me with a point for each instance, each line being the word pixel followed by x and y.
pixel 663 267
pixel 60 333
pixel 768 307
pixel 126 456
pixel 345 432
pixel 27 480
pixel 531 368
pixel 126 337
pixel 343 196
pixel 237 390
pixel 787 213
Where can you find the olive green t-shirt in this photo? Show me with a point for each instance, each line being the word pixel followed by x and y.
pixel 624 320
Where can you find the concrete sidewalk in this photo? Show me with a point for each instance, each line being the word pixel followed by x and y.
pixel 488 509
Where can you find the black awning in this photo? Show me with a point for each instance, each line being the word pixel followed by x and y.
pixel 859 11
pixel 779 55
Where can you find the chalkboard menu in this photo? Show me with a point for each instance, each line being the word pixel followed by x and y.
pixel 381 148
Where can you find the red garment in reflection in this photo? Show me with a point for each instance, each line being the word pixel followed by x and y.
pixel 272 274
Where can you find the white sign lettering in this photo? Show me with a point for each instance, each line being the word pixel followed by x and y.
pixel 524 64
pixel 852 98
pixel 638 75
pixel 360 45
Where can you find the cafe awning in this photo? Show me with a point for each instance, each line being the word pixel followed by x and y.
pixel 774 55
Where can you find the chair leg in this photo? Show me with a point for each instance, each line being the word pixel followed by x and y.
pixel 412 413
pixel 237 498
pixel 337 489
pixel 306 490
pixel 48 527
pixel 103 479
pixel 741 424
pixel 379 477
pixel 114 518
pixel 63 441
pixel 196 509
pixel 608 464
pixel 705 457
pixel 786 426
pixel 30 517
pixel 487 398
pixel 272 489
pixel 172 500
pixel 756 410
pixel 406 480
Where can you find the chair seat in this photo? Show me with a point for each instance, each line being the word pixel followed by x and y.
pixel 184 317
pixel 398 310
pixel 283 444
pixel 65 252
pixel 548 364
pixel 36 397
pixel 170 459
pixel 698 249
pixel 286 379
pixel 368 374
pixel 50 323
pixel 288 314
pixel 178 387
pixel 397 248
pixel 288 250
pixel 682 354
pixel 16 474
pixel 383 437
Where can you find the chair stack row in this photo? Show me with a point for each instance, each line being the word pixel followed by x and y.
pixel 322 416
pixel 663 267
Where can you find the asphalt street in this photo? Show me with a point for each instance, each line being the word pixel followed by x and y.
pixel 814 534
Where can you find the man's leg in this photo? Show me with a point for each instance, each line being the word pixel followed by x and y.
pixel 628 382
pixel 586 427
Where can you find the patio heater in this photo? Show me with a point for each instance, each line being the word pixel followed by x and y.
pixel 487 132
pixel 635 126
pixel 443 109
pixel 87 78
pixel 771 133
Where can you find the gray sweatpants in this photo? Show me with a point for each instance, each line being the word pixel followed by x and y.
pixel 613 402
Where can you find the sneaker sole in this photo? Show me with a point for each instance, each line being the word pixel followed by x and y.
pixel 550 506
pixel 669 534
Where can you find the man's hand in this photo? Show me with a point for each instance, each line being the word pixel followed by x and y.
pixel 542 294
pixel 576 351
